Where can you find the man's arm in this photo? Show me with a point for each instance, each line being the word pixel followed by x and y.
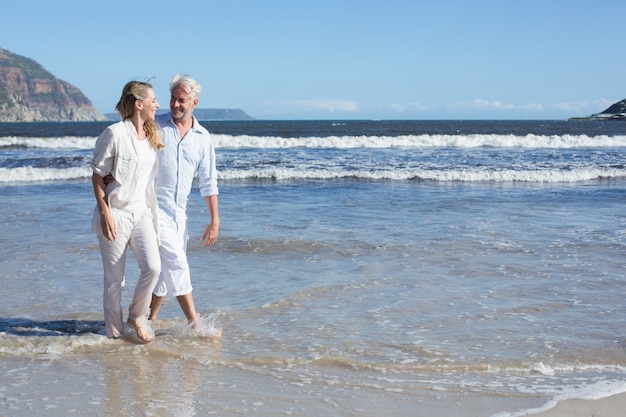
pixel 213 229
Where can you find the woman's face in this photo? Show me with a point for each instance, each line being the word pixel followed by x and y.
pixel 149 105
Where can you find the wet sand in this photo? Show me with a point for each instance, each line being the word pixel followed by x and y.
pixel 612 406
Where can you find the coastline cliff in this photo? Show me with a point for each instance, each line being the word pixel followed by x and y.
pixel 616 111
pixel 29 93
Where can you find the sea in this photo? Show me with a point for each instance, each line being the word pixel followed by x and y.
pixel 363 268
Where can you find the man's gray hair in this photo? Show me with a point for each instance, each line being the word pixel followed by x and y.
pixel 192 86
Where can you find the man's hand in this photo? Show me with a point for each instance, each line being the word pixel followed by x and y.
pixel 210 234
pixel 108 179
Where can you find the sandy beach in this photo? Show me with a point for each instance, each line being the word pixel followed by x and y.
pixel 612 406
pixel 438 274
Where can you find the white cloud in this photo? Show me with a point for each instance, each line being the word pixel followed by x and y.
pixel 584 107
pixel 481 105
pixel 332 106
pixel 498 108
pixel 401 108
pixel 485 106
pixel 393 107
pixel 478 108
pixel 417 106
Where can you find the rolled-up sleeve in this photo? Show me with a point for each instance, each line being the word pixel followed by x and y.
pixel 103 153
pixel 207 170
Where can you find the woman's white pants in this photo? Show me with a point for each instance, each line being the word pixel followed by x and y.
pixel 134 230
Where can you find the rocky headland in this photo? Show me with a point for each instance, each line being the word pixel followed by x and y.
pixel 616 111
pixel 29 93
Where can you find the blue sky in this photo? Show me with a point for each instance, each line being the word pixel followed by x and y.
pixel 413 59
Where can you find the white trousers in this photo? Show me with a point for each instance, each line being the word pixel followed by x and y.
pixel 134 230
pixel 175 276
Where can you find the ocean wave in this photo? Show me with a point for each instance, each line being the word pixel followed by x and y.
pixel 454 175
pixel 67 142
pixel 351 142
pixel 25 337
pixel 421 141
pixel 594 391
pixel 33 175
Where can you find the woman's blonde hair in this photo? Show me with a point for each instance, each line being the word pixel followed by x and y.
pixel 133 91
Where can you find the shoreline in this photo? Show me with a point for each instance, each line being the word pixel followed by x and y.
pixel 611 406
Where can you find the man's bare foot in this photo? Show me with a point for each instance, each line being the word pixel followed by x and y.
pixel 217 334
pixel 155 305
pixel 201 329
pixel 141 328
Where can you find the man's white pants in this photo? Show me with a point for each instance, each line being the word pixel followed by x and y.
pixel 134 230
pixel 175 277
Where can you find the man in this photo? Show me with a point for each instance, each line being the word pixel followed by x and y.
pixel 188 152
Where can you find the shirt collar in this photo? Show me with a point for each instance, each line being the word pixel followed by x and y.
pixel 194 126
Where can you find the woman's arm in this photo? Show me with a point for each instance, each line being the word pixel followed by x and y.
pixel 107 222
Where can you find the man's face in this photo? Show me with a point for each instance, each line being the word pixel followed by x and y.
pixel 181 103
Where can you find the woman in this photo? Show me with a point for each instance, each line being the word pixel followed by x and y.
pixel 126 210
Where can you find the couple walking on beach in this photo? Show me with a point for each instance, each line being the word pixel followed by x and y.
pixel 143 169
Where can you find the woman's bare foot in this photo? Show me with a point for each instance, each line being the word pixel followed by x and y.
pixel 141 328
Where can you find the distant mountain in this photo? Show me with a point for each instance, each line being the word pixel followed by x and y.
pixel 207 115
pixel 29 93
pixel 617 111
pixel 221 114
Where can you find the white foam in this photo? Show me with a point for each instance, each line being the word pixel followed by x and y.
pixel 420 141
pixel 18 345
pixel 31 174
pixel 66 142
pixel 347 142
pixel 454 175
pixel 542 369
pixel 316 169
pixel 593 391
pixel 204 327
